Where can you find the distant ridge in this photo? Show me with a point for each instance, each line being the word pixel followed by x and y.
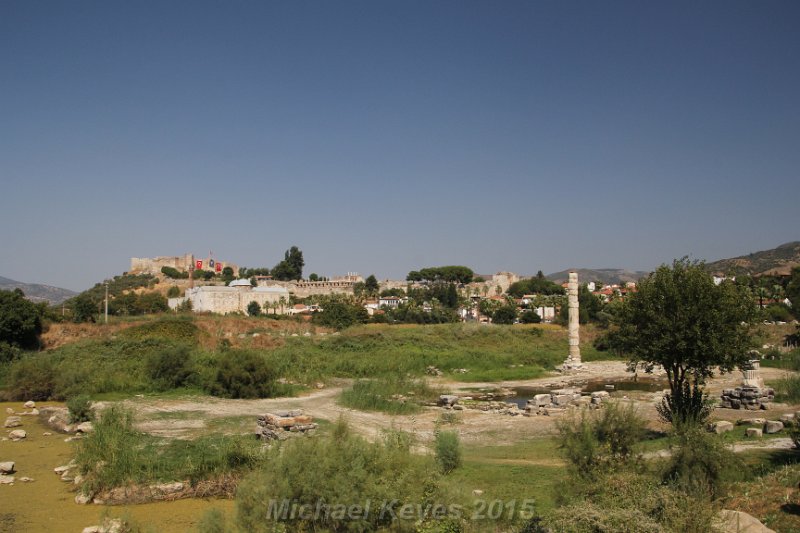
pixel 607 276
pixel 776 262
pixel 37 292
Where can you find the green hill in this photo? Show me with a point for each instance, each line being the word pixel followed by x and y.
pixel 777 261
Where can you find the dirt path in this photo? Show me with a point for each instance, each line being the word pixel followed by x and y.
pixel 184 417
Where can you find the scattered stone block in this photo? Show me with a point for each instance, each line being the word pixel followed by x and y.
pixel 13 422
pixel 740 522
pixel 721 426
pixel 7 467
pixel 787 419
pixel 540 400
pixel 773 426
pixel 562 400
pixel 753 432
pixel 6 480
pixel 752 422
pixel 29 404
pixel 17 435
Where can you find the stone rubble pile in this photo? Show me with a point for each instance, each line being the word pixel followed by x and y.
pixel 282 424
pixel 543 404
pixel 553 402
pixel 747 397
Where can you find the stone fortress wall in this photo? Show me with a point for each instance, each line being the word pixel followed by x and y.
pixel 148 265
pixel 153 265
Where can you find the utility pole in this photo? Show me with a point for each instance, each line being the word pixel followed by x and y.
pixel 106 303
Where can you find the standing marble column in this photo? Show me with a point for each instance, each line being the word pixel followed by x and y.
pixel 574 358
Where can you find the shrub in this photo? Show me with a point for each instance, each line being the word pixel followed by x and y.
pixel 631 500
pixel 31 378
pixel 339 469
pixel 179 329
pixel 778 313
pixel 687 406
pixel 253 309
pixel 173 292
pixel 699 462
pixel 243 374
pixel 594 441
pixel 530 317
pixel 505 315
pixel 448 451
pixel 170 368
pixel 590 518
pixel 8 352
pixel 174 273
pixel 80 409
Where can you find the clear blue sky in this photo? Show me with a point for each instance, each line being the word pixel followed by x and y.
pixel 381 137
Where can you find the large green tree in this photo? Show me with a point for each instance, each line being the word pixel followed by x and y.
pixel 537 285
pixel 371 285
pixel 291 267
pixel 679 319
pixel 451 273
pixel 340 312
pixel 20 320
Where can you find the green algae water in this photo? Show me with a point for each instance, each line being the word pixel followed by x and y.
pixel 47 504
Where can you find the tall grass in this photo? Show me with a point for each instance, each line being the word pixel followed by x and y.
pixel 116 455
pixel 788 389
pixel 398 396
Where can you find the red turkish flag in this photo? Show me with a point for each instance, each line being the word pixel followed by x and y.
pixel 219 267
pixel 198 264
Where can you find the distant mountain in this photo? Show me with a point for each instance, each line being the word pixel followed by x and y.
pixel 608 276
pixel 37 292
pixel 778 261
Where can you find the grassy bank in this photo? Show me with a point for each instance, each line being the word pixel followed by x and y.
pixel 487 353
pixel 171 354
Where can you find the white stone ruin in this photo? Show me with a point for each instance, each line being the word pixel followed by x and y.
pixel 573 361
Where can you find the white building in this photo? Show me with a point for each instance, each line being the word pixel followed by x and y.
pixel 232 299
